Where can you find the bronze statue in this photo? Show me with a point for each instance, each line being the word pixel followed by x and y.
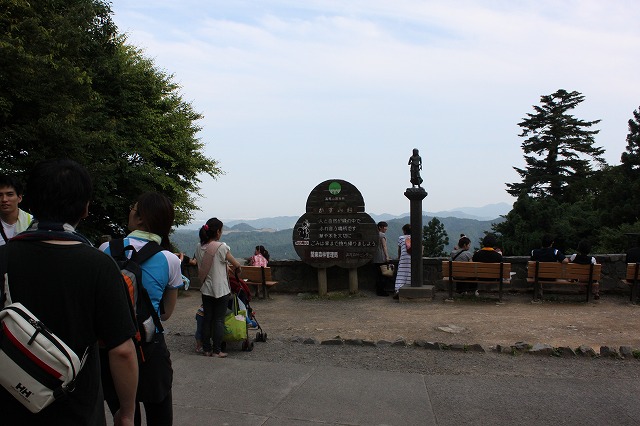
pixel 416 165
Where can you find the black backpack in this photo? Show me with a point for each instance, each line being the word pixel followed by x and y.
pixel 146 317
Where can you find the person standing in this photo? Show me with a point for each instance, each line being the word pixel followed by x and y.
pixel 14 220
pixel 381 258
pixel 151 219
pixel 403 275
pixel 77 292
pixel 212 256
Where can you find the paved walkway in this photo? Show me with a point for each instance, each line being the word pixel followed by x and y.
pixel 241 392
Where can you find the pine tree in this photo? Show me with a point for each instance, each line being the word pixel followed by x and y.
pixel 631 158
pixel 434 238
pixel 559 150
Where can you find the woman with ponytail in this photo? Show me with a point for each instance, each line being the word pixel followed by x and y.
pixel 150 219
pixel 213 258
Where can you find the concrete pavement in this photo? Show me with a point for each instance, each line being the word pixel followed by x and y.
pixel 241 392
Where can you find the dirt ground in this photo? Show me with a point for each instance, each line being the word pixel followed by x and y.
pixel 564 322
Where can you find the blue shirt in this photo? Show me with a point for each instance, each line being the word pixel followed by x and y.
pixel 160 272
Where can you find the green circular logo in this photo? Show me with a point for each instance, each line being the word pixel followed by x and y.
pixel 335 188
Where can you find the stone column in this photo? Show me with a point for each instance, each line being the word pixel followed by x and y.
pixel 416 195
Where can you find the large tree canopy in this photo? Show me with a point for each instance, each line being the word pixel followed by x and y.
pixel 556 194
pixel 70 86
pixel 559 149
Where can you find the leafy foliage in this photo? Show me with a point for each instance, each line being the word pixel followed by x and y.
pixel 72 87
pixel 434 238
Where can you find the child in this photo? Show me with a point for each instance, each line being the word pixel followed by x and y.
pixel 199 322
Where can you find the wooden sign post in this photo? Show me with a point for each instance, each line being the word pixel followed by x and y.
pixel 335 231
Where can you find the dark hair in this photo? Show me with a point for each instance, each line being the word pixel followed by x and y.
pixel 7 181
pixel 547 240
pixel 584 247
pixel 209 230
pixel 406 229
pixel 382 224
pixel 157 214
pixel 58 191
pixel 263 251
pixel 463 241
pixel 489 240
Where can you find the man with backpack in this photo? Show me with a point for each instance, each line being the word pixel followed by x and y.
pixel 76 292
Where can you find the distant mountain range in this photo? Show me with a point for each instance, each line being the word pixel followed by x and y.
pixel 276 233
pixel 488 212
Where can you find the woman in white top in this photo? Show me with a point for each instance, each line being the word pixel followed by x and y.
pixel 212 257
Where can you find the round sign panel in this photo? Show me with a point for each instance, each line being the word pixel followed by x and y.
pixel 335 231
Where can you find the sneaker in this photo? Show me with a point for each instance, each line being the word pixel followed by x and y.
pixel 396 296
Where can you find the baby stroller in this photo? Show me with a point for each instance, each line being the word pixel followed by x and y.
pixel 240 301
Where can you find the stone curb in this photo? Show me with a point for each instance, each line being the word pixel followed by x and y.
pixel 518 348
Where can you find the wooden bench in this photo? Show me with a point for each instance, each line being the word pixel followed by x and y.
pixel 259 276
pixel 633 279
pixel 476 272
pixel 540 273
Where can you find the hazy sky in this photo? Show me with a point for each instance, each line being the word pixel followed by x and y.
pixel 297 92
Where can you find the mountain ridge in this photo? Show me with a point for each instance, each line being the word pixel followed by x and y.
pixel 242 237
pixel 489 212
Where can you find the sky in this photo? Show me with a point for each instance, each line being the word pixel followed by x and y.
pixel 294 92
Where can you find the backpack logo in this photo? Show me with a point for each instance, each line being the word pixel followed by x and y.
pixel 23 391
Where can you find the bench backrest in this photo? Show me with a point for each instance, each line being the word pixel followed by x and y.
pixel 254 273
pixel 475 270
pixel 563 271
pixel 584 273
pixel 546 270
pixel 633 271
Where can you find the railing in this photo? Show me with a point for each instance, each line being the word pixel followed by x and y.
pixel 294 276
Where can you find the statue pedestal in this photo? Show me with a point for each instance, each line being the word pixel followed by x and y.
pixel 415 196
pixel 424 293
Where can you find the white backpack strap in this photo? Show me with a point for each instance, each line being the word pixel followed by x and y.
pixel 6 295
pixel 7 300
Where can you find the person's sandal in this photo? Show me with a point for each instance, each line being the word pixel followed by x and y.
pixel 220 355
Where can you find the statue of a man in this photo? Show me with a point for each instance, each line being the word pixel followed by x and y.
pixel 416 165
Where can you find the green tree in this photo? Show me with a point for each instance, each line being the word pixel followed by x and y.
pixel 560 183
pixel 559 150
pixel 71 86
pixel 631 157
pixel 434 238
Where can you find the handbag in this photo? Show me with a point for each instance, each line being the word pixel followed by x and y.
pixel 235 324
pixel 407 243
pixel 387 270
